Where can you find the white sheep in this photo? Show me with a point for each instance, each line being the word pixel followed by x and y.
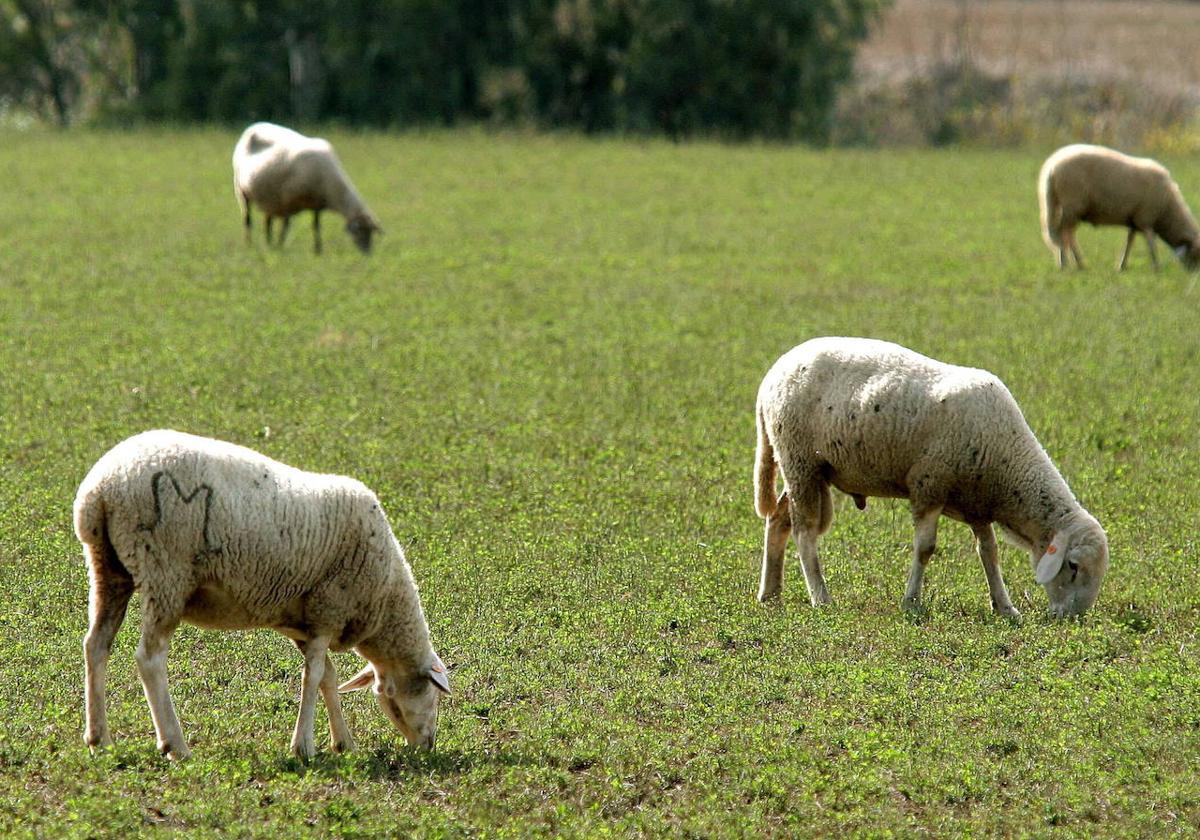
pixel 220 536
pixel 1082 183
pixel 872 418
pixel 284 172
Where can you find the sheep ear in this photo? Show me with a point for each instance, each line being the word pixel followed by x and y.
pixel 359 681
pixel 1052 560
pixel 437 673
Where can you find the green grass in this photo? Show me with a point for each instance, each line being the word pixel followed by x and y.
pixel 547 371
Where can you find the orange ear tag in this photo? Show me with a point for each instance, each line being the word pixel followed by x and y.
pixel 1052 549
pixel 439 667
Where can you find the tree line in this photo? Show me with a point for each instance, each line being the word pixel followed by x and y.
pixel 737 68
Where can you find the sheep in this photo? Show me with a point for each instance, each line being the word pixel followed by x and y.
pixel 223 537
pixel 284 172
pixel 872 418
pixel 1082 183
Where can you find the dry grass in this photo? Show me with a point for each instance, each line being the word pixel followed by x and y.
pixel 1147 40
pixel 1120 72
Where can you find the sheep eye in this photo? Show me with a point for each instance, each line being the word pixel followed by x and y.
pixel 1074 567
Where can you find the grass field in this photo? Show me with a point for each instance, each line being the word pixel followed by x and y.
pixel 547 371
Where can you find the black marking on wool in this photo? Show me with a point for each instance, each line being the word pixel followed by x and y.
pixel 203 490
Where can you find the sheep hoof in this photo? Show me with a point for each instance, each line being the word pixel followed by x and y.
pixel 179 753
pixel 766 596
pixel 343 746
pixel 914 611
pixel 98 742
pixel 1010 612
pixel 303 749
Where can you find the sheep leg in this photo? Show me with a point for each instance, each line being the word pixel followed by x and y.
pixel 246 216
pixel 925 523
pixel 316 231
pixel 1128 247
pixel 812 513
pixel 151 658
pixel 1150 245
pixel 1069 236
pixel 283 230
pixel 985 544
pixel 268 223
pixel 775 537
pixel 1064 246
pixel 339 732
pixel 111 588
pixel 315 651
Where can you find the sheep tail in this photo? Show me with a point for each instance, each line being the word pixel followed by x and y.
pixel 1051 210
pixel 110 581
pixel 764 471
pixel 91 526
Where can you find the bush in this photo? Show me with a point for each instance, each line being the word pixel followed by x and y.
pixel 738 68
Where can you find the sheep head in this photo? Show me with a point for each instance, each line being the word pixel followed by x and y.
pixel 408 696
pixel 1073 567
pixel 1189 254
pixel 361 228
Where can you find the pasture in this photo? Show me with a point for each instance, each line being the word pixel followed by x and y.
pixel 547 371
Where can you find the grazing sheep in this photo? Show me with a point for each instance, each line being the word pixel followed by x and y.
pixel 284 172
pixel 873 418
pixel 223 537
pixel 1082 183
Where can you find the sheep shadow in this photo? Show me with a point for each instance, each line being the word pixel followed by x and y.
pixel 395 763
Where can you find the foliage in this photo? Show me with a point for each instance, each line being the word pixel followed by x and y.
pixel 37 44
pixel 745 68
pixel 547 370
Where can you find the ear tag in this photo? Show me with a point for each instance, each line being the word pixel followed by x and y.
pixel 437 673
pixel 1051 562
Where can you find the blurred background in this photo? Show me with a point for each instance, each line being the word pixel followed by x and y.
pixel 843 72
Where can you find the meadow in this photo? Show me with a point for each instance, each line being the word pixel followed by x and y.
pixel 547 371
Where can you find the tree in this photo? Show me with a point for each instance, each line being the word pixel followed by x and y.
pixel 39 55
pixel 737 68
